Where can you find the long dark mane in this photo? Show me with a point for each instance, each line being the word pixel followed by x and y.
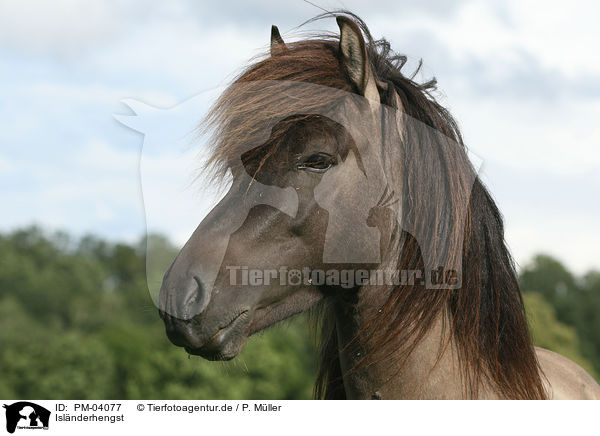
pixel 485 317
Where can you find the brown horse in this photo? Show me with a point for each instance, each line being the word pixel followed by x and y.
pixel 353 195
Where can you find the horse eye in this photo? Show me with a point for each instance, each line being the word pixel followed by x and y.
pixel 317 163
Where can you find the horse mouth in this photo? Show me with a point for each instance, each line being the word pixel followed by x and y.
pixel 227 342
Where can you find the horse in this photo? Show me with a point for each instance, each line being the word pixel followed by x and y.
pixel 345 169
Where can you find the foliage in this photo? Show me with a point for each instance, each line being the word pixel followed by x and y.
pixel 552 334
pixel 77 322
pixel 576 302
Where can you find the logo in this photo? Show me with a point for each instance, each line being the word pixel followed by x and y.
pixel 361 196
pixel 26 415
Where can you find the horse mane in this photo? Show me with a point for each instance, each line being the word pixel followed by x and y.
pixel 485 316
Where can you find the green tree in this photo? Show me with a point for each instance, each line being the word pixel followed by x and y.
pixel 548 277
pixel 548 332
pixel 576 301
pixel 77 321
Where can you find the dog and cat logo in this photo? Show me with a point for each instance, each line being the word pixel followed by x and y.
pixel 26 415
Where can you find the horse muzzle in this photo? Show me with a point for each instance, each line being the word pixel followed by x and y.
pixel 183 306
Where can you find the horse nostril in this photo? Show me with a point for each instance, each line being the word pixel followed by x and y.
pixel 183 297
pixel 195 296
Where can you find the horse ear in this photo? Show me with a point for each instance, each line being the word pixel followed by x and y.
pixel 353 55
pixel 277 44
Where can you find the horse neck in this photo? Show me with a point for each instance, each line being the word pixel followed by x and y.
pixel 430 370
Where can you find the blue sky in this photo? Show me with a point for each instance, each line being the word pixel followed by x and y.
pixel 522 80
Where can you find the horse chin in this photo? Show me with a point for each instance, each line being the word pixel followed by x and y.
pixel 229 340
pixel 226 343
pixel 214 355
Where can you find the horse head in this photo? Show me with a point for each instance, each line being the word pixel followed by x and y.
pixel 307 174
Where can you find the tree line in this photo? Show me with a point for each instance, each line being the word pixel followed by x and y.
pixel 77 322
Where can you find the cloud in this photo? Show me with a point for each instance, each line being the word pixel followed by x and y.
pixel 5 166
pixel 521 79
pixel 66 27
pixel 89 94
pixel 560 137
pixel 94 190
pixel 548 212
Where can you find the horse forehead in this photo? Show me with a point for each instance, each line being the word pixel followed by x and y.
pixel 317 141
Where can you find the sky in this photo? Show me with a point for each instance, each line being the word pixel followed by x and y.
pixel 522 78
